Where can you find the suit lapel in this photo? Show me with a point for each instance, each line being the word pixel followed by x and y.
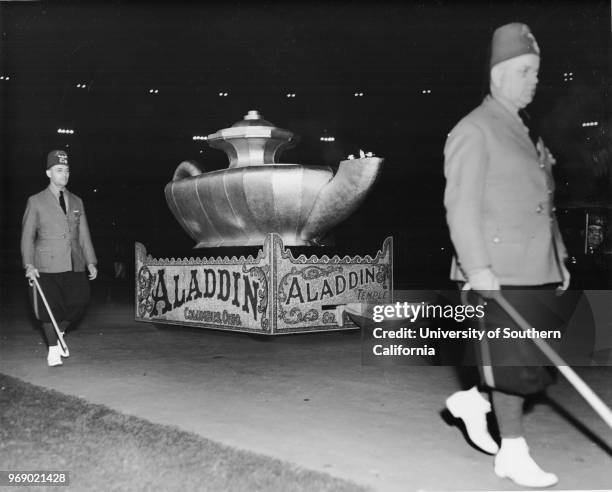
pixel 72 204
pixel 517 126
pixel 54 204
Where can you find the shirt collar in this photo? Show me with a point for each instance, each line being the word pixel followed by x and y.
pixel 55 190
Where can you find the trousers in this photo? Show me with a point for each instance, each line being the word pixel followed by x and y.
pixel 516 366
pixel 67 294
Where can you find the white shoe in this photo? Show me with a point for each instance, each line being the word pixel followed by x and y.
pixel 514 462
pixel 472 408
pixel 54 358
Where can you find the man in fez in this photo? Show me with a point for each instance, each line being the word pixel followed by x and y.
pixel 500 212
pixel 56 249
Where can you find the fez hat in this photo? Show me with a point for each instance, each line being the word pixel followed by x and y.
pixel 56 157
pixel 510 41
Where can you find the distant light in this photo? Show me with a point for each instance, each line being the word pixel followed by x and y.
pixel 81 86
pixel 590 123
pixel 153 91
pixel 65 131
pixel 291 94
pixel 223 94
pixel 426 91
pixel 4 77
pixel 358 94
pixel 567 76
pixel 201 151
pixel 95 190
pixel 200 137
pixel 327 139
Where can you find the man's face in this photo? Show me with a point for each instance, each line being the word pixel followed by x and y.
pixel 519 79
pixel 58 175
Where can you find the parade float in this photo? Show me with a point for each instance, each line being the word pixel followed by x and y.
pixel 263 206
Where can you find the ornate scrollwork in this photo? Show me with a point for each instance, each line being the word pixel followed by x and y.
pixel 261 273
pixel 295 315
pixel 146 281
pixel 384 272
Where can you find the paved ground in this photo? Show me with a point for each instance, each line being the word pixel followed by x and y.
pixel 304 398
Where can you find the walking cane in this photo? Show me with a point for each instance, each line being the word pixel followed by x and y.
pixel 576 381
pixel 60 337
pixel 587 393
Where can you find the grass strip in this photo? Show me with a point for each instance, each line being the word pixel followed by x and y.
pixel 102 449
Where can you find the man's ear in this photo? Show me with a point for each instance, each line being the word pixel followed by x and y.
pixel 48 173
pixel 497 73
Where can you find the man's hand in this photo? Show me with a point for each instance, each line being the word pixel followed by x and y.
pixel 566 279
pixel 31 272
pixel 483 281
pixel 93 271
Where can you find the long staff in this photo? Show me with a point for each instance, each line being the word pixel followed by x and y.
pixel 576 381
pixel 60 337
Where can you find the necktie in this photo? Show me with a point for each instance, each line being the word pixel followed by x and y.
pixel 62 201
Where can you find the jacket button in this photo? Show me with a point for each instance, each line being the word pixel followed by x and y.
pixel 63 235
pixel 539 208
pixel 549 191
pixel 554 209
pixel 542 165
pixel 496 239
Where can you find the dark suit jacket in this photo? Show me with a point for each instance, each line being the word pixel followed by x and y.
pixel 53 241
pixel 499 200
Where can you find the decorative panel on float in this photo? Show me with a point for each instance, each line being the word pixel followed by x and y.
pixel 272 293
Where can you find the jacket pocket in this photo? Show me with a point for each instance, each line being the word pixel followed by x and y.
pixel 44 257
pixel 507 246
pixel 508 258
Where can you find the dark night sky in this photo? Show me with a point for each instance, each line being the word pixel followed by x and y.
pixel 128 142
